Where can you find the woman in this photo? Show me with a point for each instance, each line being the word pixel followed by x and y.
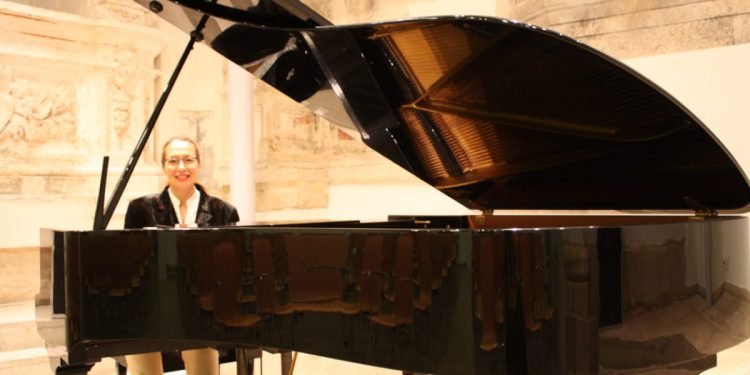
pixel 182 203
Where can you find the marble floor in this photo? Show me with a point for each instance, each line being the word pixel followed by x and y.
pixel 22 353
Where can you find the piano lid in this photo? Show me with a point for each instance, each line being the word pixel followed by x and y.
pixel 495 113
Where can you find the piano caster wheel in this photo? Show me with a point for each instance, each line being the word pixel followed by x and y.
pixel 155 6
pixel 73 370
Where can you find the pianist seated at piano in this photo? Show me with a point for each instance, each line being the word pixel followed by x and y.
pixel 182 203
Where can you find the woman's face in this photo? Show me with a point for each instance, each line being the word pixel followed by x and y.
pixel 181 165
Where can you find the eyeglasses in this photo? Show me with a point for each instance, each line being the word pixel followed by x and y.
pixel 189 161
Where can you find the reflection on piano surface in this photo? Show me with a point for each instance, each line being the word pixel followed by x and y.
pixel 240 277
pixel 472 298
pixel 496 287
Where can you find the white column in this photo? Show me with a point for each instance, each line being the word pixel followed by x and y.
pixel 241 144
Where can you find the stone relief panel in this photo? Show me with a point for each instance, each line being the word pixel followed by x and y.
pixel 34 112
pixel 39 121
pixel 195 125
pixel 126 11
pixel 291 152
pixel 122 93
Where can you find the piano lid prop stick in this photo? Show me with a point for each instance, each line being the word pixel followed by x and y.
pixel 195 36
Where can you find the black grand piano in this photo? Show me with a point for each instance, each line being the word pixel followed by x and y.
pixel 496 114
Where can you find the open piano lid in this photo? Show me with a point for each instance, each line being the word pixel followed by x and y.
pixel 495 113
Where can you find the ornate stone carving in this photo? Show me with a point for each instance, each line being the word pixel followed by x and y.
pixel 35 112
pixel 122 92
pixel 300 155
pixel 195 119
pixel 124 11
pixel 196 129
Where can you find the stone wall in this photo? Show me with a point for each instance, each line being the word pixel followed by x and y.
pixel 633 28
pixel 19 274
pixel 72 89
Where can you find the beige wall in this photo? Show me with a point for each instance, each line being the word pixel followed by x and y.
pixel 712 83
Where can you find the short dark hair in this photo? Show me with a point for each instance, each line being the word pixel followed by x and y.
pixel 179 138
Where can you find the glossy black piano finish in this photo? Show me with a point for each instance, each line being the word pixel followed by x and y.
pixel 483 295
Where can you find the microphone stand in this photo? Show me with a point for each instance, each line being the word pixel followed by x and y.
pixel 103 215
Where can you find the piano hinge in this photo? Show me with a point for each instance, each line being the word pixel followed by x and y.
pixel 480 219
pixel 424 223
pixel 701 210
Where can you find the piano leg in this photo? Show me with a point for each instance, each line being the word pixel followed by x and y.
pixel 245 358
pixel 286 362
pixel 65 369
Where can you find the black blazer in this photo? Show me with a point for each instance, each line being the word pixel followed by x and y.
pixel 156 209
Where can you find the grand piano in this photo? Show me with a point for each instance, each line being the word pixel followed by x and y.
pixel 497 114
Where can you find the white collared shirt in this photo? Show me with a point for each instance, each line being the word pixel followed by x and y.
pixel 191 215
